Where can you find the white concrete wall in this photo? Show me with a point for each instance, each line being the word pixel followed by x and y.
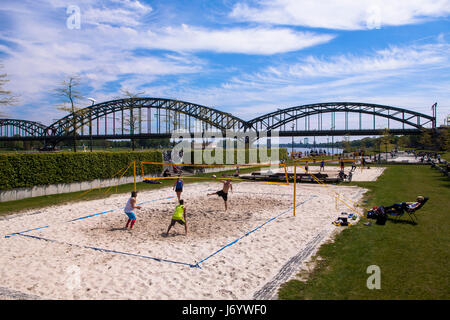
pixel 22 193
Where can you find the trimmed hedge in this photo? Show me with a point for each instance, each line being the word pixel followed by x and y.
pixel 24 170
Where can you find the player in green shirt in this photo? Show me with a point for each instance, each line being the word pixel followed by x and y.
pixel 178 216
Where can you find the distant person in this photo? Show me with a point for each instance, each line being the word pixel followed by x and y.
pixel 179 216
pixel 129 208
pixel 166 173
pixel 353 165
pixel 178 187
pixel 306 167
pixel 342 164
pixel 322 165
pixel 224 192
pixel 236 173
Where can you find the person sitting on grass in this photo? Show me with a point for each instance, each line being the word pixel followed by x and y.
pixel 179 216
pixel 129 207
pixel 166 173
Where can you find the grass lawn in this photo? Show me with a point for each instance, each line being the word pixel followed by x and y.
pixel 413 259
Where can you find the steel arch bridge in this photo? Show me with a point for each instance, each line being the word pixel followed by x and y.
pixel 411 122
pixel 168 114
pixel 21 128
pixel 142 118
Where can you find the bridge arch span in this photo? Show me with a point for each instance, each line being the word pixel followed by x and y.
pixel 279 118
pixel 12 127
pixel 133 106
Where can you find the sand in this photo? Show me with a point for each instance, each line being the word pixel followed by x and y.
pixel 358 174
pixel 96 258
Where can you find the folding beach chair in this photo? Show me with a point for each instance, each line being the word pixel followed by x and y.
pixel 399 211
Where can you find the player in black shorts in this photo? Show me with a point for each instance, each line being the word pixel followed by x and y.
pixel 224 192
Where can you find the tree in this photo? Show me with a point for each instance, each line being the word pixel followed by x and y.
pixel 446 140
pixel 426 139
pixel 443 140
pixel 6 97
pixel 346 144
pixel 404 141
pixel 132 121
pixel 386 140
pixel 70 94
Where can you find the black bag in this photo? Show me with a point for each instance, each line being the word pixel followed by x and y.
pixel 381 216
pixel 344 221
pixel 372 214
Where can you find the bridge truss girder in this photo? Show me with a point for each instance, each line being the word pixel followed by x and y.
pixel 281 117
pixel 21 128
pixel 167 115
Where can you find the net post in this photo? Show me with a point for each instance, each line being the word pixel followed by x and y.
pixel 295 183
pixel 362 165
pixel 134 174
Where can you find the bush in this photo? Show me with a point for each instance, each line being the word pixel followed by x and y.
pixel 28 170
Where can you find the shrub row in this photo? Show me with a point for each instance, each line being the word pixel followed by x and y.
pixel 23 170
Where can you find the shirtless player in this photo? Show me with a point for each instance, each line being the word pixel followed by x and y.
pixel 224 192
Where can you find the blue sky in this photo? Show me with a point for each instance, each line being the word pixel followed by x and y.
pixel 241 56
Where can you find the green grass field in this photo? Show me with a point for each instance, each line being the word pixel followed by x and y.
pixel 413 259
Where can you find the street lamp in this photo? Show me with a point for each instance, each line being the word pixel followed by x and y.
pixel 90 124
pixel 332 143
pixel 328 144
pixel 292 144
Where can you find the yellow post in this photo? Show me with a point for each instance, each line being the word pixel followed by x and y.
pixel 295 184
pixel 134 173
pixel 362 167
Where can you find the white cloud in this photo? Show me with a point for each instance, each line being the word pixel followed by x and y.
pixel 129 13
pixel 342 14
pixel 350 68
pixel 45 52
pixel 103 51
pixel 412 77
pixel 113 52
pixel 260 40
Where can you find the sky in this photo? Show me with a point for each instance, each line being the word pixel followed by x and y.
pixel 246 57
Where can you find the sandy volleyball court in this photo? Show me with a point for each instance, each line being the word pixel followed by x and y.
pixel 95 258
